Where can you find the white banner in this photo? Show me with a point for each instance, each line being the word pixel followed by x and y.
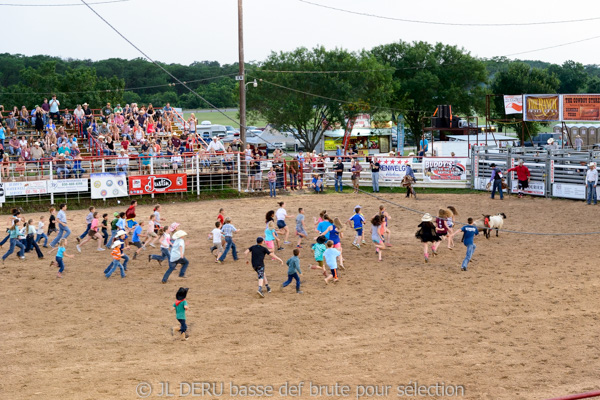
pixel 513 104
pixel 105 186
pixel 25 188
pixel 2 193
pixel 393 168
pixel 67 185
pixel 569 190
pixel 535 188
pixel 441 170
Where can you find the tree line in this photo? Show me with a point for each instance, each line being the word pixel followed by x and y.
pixel 325 88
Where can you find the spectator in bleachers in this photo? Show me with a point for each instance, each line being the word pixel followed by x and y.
pixel 228 161
pixel 39 120
pixel 54 108
pixel 37 153
pixel 103 130
pixel 145 161
pixel 16 112
pixel 2 154
pixel 23 142
pixel 53 153
pixel 11 123
pixel 203 159
pixel 134 109
pixel 122 161
pixel 170 150
pixel 14 148
pixel 150 127
pixel 77 169
pixel 138 134
pixel 119 119
pixel 67 119
pixel 106 112
pixel 49 140
pixel 176 142
pixel 75 149
pixel 79 114
pixel 126 132
pixel 63 148
pixel 141 117
pixel 94 125
pixel 20 167
pixel 62 139
pixel 61 167
pixel 168 110
pixel 45 110
pixel 125 144
pixel 118 109
pixel 110 145
pixel 177 161
pixel 166 123
pixel 215 146
pixel 25 152
pixel 114 132
pixel 25 117
pixel 50 125
pixel 2 135
pixel 155 147
pixel 151 112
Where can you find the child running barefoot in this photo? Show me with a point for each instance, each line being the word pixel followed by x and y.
pixel 293 271
pixel 300 228
pixel 427 234
pixel 318 249
pixel 93 233
pixel 60 253
pixel 335 235
pixel 356 222
pixel 450 222
pixel 331 256
pixel 376 235
pixel 181 306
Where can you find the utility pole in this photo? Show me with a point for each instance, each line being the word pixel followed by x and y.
pixel 241 77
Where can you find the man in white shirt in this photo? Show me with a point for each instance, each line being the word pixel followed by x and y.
pixel 215 145
pixel 122 162
pixel 54 104
pixel 591 181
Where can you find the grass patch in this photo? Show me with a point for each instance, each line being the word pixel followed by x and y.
pixel 219 119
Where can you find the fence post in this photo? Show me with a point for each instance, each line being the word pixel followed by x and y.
pixel 197 157
pixel 51 191
pixel 239 173
pixel 103 171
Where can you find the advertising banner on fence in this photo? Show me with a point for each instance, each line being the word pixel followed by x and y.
pixel 67 185
pixel 439 170
pixel 147 184
pixel 535 188
pixel 513 104
pixel 541 107
pixel 581 107
pixel 393 168
pixel 2 193
pixel 105 186
pixel 569 190
pixel 25 188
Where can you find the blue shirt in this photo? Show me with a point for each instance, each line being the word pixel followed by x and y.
pixel 269 234
pixel 2 132
pixel 121 224
pixel 228 230
pixel 60 252
pixel 334 235
pixel 136 234
pixel 424 144
pixel 330 257
pixel 322 227
pixel 470 231
pixel 357 221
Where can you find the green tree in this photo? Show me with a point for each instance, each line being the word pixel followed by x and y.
pixel 520 78
pixel 309 103
pixel 429 75
pixel 572 76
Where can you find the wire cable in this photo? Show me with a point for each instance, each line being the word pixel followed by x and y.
pixel 61 4
pixel 414 21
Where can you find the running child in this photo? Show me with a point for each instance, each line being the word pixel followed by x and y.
pixel 217 238
pixel 113 228
pixel 151 236
pixel 13 235
pixel 117 255
pixel 270 216
pixel 136 237
pixel 30 243
pixel 93 233
pixel 121 237
pixel 318 249
pixel 357 222
pixel 130 214
pixel 331 257
pixel 165 244
pixel 469 231
pixel 52 222
pixel 177 256
pixel 60 254
pixel 293 271
pixel 385 217
pixel 181 306
pixel 335 235
pixel 270 238
pixel 281 215
pixel 427 234
pixel 104 224
pixel 88 220
pixel 157 221
pixel 300 228
pixel 441 227
pixel 258 252
pixel 40 234
pixel 450 222
pixel 377 235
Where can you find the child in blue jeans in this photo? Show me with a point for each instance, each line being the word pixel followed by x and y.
pixel 60 253
pixel 293 271
pixel 181 306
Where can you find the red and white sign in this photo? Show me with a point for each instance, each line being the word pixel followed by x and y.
pixel 440 169
pixel 513 104
pixel 148 184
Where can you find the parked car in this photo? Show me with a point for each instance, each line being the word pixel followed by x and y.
pixel 231 130
pixel 541 139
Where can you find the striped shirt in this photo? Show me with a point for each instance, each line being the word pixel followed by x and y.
pixel 116 253
pixel 228 230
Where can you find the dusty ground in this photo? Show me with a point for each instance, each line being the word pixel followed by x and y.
pixel 522 323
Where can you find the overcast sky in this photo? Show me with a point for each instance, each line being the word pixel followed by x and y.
pixel 184 31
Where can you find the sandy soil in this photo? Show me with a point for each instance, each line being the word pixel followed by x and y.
pixel 522 323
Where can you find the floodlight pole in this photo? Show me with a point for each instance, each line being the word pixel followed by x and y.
pixel 241 77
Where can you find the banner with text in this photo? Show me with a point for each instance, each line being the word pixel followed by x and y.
pixel 147 184
pixel 581 107
pixel 541 107
pixel 440 170
pixel 535 188
pixel 25 188
pixel 105 186
pixel 513 104
pixel 67 185
pixel 393 168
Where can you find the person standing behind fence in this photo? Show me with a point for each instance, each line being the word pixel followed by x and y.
pixel 338 169
pixel 272 178
pixel 293 174
pixel 63 227
pixel 496 181
pixel 375 166
pixel 228 231
pixel 578 143
pixel 523 175
pixel 591 180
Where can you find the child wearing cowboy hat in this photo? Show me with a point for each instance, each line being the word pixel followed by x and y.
pixel 427 234
pixel 177 256
pixel 120 237
pixel 116 254
pixel 181 306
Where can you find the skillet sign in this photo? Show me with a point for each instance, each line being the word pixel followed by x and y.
pixel 148 184
pixel 440 169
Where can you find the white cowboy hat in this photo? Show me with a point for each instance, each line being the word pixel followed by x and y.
pixel 550 141
pixel 592 164
pixel 121 233
pixel 577 136
pixel 116 243
pixel 36 144
pixel 85 104
pixel 179 234
pixel 427 218
pixel 358 207
pixel 521 162
pixel 411 154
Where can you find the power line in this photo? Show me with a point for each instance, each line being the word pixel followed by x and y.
pixel 120 90
pixel 61 5
pixel 553 47
pixel 160 66
pixel 448 23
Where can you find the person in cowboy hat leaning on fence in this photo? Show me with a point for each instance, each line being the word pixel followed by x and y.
pixel 591 181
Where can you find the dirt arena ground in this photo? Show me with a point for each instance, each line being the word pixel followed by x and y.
pixel 522 323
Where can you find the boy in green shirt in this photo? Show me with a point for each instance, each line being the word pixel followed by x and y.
pixel 180 309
